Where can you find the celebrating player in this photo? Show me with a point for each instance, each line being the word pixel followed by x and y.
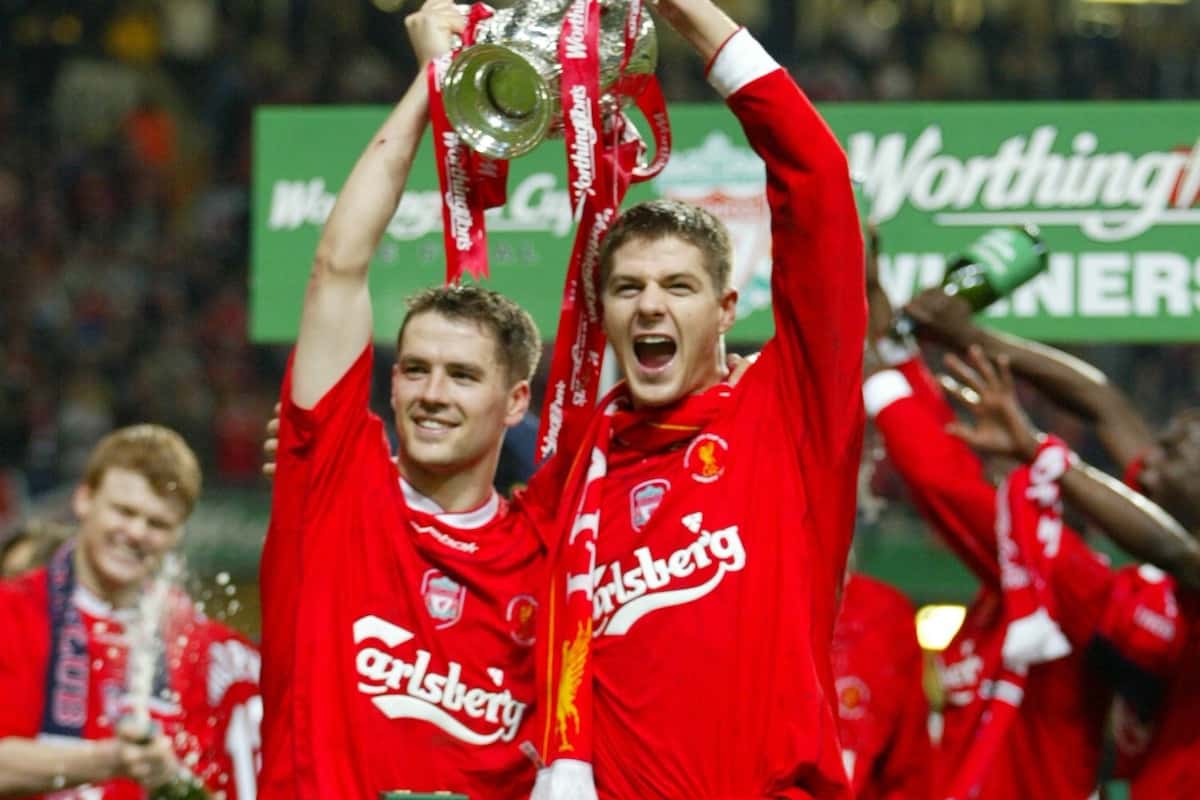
pixel 1025 704
pixel 65 647
pixel 398 614
pixel 705 527
pixel 1164 758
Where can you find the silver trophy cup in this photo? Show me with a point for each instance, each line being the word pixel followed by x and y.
pixel 502 93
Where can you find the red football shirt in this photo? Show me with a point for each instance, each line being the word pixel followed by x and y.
pixel 1065 702
pixel 403 634
pixel 211 717
pixel 719 563
pixel 883 715
pixel 1171 767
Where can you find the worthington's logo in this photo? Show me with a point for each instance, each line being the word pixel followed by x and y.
pixel 1110 196
pixel 576 41
pixel 538 204
pixel 411 690
pixel 583 146
pixel 456 193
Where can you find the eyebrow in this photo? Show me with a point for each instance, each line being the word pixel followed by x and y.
pixel 674 276
pixel 475 369
pixel 464 366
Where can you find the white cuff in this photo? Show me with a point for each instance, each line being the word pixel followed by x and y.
pixel 739 61
pixel 893 352
pixel 884 388
pixel 565 779
pixel 1033 639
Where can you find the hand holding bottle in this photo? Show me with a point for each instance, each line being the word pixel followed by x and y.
pixel 145 755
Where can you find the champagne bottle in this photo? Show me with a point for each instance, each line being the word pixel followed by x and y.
pixel 992 267
pixel 185 787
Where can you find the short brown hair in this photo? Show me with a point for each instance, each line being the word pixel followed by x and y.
pixel 656 219
pixel 518 345
pixel 158 454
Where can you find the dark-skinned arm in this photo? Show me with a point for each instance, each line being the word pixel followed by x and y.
pixel 1001 427
pixel 1069 382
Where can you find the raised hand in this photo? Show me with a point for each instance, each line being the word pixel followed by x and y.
pixel 432 29
pixel 941 316
pixel 1001 426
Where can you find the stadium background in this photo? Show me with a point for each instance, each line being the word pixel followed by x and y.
pixel 125 202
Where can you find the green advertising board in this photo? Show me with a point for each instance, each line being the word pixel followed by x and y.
pixel 1114 187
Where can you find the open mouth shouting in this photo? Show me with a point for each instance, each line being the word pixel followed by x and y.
pixel 654 352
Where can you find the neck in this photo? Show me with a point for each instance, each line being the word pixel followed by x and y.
pixel 710 379
pixel 457 491
pixel 115 596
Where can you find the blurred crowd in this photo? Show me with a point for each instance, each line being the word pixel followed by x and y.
pixel 125 139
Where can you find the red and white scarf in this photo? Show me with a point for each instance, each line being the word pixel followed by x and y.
pixel 565 644
pixel 1028 532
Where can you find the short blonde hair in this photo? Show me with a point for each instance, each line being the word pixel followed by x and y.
pixel 158 454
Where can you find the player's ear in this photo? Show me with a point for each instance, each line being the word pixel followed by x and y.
pixel 728 303
pixel 518 403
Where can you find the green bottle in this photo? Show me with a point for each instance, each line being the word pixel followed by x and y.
pixel 404 794
pixel 185 787
pixel 992 267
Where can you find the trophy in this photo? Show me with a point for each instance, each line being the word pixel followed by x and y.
pixel 502 95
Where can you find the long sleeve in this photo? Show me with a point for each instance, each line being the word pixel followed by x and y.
pixel 817 280
pixel 943 475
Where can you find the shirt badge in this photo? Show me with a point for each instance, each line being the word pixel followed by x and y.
pixel 522 619
pixel 444 598
pixel 853 696
pixel 645 499
pixel 705 457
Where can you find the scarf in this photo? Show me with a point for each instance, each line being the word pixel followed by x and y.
pixel 68 671
pixel 616 436
pixel 1028 532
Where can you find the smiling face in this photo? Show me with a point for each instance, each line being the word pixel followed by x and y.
pixel 452 399
pixel 125 528
pixel 1172 474
pixel 665 318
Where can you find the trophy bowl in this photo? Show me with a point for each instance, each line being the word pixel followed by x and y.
pixel 502 93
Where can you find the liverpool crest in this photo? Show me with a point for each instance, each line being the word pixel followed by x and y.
pixel 444 598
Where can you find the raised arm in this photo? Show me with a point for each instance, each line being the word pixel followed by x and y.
pixel 705 26
pixel 945 480
pixel 1071 383
pixel 335 325
pixel 1132 521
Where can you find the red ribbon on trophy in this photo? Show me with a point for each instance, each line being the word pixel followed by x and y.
pixel 603 158
pixel 470 182
pixel 601 164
